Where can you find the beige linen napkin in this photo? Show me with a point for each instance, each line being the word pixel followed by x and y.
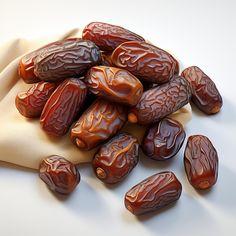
pixel 22 142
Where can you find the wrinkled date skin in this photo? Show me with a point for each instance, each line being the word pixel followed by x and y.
pixel 145 61
pixel 201 162
pixel 163 140
pixel 116 158
pixel 205 94
pixel 63 106
pixel 60 175
pixel 107 37
pixel 153 193
pixel 30 104
pixel 114 84
pixel 26 65
pixel 99 122
pixel 70 59
pixel 160 101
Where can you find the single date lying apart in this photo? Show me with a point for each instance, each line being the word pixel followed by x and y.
pixel 155 192
pixel 205 94
pixel 60 175
pixel 201 162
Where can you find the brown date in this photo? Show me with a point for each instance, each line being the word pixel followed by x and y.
pixel 63 106
pixel 163 140
pixel 145 61
pixel 72 58
pixel 107 37
pixel 155 192
pixel 59 174
pixel 99 122
pixel 106 59
pixel 205 94
pixel 160 101
pixel 114 84
pixel 31 103
pixel 116 158
pixel 26 65
pixel 201 162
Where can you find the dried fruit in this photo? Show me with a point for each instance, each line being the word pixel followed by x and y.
pixel 59 174
pixel 72 58
pixel 205 94
pixel 163 140
pixel 106 59
pixel 107 37
pixel 114 84
pixel 116 158
pixel 63 106
pixel 145 61
pixel 201 162
pixel 160 101
pixel 26 65
pixel 99 122
pixel 153 193
pixel 31 103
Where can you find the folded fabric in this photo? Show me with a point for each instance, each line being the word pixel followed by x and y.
pixel 22 141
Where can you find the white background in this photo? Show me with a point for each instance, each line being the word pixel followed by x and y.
pixel 199 33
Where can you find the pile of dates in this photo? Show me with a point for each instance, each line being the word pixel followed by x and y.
pixel 92 86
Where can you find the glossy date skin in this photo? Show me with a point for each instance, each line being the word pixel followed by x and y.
pixel 163 140
pixel 160 101
pixel 116 158
pixel 145 61
pixel 63 106
pixel 205 94
pixel 30 104
pixel 153 193
pixel 107 37
pixel 114 84
pixel 70 59
pixel 201 162
pixel 26 65
pixel 60 175
pixel 99 122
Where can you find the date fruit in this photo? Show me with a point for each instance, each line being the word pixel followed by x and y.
pixel 31 103
pixel 107 37
pixel 155 192
pixel 114 84
pixel 63 106
pixel 160 101
pixel 163 140
pixel 26 65
pixel 60 175
pixel 145 61
pixel 205 94
pixel 106 59
pixel 116 158
pixel 201 162
pixel 70 59
pixel 99 122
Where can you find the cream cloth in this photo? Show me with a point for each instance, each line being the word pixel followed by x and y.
pixel 22 142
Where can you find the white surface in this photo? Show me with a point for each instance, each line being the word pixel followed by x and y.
pixel 197 32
